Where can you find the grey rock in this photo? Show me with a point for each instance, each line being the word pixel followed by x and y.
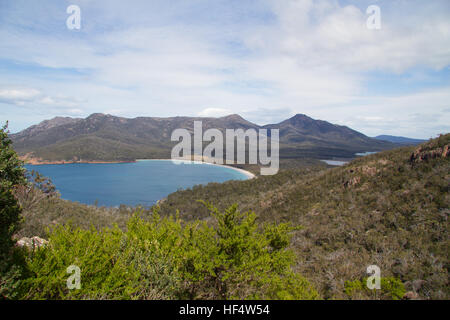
pixel 34 242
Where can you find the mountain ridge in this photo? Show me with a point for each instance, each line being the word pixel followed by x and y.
pixel 104 137
pixel 400 140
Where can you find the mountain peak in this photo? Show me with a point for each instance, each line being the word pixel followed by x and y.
pixel 54 122
pixel 233 116
pixel 138 138
pixel 97 116
pixel 300 119
pixel 300 116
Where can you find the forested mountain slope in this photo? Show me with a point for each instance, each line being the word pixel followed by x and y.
pixel 102 137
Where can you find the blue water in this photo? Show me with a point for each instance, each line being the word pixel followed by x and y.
pixel 335 162
pixel 362 154
pixel 139 183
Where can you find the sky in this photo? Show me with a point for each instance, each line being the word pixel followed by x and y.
pixel 265 60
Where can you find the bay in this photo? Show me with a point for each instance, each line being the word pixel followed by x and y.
pixel 138 183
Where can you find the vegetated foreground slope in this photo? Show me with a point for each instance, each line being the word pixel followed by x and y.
pixel 389 209
pixel 102 137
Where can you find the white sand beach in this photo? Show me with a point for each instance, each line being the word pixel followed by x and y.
pixel 248 174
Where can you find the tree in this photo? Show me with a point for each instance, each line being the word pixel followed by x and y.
pixel 12 174
pixel 238 259
pixel 31 194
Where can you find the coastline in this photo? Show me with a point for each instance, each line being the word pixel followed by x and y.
pixel 36 162
pixel 248 174
pixel 28 159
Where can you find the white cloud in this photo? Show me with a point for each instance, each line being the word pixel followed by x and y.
pixel 30 97
pixel 214 112
pixel 263 116
pixel 60 101
pixel 313 57
pixel 418 115
pixel 18 96
pixel 337 36
pixel 75 111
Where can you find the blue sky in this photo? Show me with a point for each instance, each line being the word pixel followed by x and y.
pixel 265 60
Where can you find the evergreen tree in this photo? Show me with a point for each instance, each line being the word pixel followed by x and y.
pixel 11 175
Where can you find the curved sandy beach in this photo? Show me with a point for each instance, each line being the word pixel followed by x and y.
pixel 245 172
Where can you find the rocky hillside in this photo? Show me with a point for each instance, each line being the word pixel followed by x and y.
pixel 389 209
pixel 102 137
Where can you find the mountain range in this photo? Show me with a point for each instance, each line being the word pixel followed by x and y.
pixel 400 140
pixel 103 137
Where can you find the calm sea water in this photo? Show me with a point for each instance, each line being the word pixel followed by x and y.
pixel 142 182
pixel 367 153
pixel 335 162
pixel 341 163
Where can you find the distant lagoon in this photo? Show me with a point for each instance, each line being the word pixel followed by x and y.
pixel 335 162
pixel 341 162
pixel 139 183
pixel 367 153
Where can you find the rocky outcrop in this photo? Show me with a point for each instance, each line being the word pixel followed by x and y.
pixel 31 243
pixel 411 295
pixel 352 182
pixel 161 201
pixel 425 153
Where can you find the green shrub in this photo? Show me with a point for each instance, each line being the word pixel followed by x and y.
pixel 391 288
pixel 165 258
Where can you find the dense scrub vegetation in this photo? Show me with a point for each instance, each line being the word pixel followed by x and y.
pixel 391 288
pixel 165 259
pixel 389 209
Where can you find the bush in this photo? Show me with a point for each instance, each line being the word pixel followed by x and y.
pixel 391 288
pixel 165 258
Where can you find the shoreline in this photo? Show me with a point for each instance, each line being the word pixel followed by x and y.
pixel 36 162
pixel 28 159
pixel 248 174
